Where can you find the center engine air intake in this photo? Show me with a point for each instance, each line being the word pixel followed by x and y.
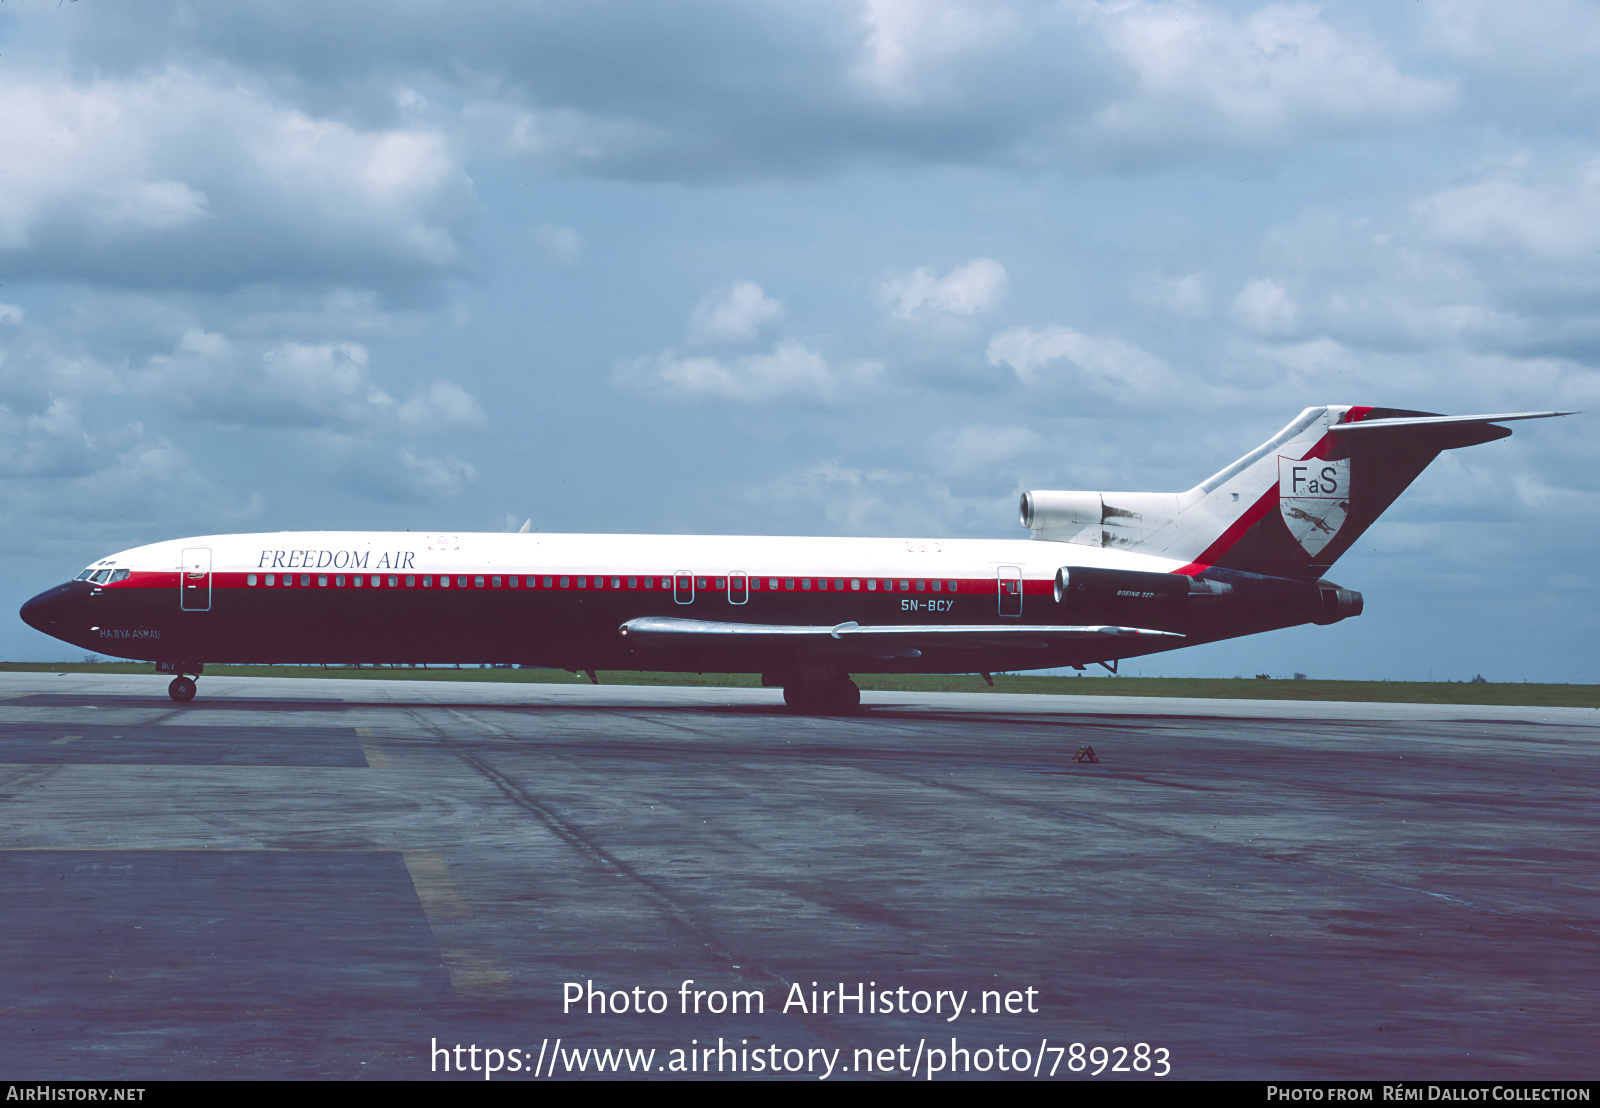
pixel 1124 519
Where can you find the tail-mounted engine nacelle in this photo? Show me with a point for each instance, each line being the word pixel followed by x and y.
pixel 1120 586
pixel 1130 596
pixel 1123 593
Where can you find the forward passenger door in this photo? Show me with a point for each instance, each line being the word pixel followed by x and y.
pixel 194 579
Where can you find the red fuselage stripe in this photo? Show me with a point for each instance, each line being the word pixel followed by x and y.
pixel 758 584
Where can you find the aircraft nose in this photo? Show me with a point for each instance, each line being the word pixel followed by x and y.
pixel 49 609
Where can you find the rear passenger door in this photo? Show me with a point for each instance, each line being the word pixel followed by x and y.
pixel 1009 581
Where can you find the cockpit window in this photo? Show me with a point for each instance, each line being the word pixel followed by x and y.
pixel 120 575
pixel 101 576
pixel 85 575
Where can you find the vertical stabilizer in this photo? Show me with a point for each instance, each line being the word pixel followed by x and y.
pixel 1288 508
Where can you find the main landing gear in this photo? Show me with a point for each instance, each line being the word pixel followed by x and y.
pixel 821 693
pixel 182 689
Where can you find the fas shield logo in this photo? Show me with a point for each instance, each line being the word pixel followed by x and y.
pixel 1314 497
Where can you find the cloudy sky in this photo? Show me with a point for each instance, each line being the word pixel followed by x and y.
pixel 822 267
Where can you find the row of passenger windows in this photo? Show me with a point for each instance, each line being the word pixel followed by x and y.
pixel 683 584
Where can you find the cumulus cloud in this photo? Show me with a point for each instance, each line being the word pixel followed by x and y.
pixel 388 473
pixel 703 89
pixel 424 478
pixel 34 374
pixel 966 290
pixel 721 89
pixel 64 484
pixel 567 140
pixel 789 371
pixel 1550 220
pixel 72 428
pixel 983 450
pixel 880 501
pixel 562 245
pixel 1186 297
pixel 736 314
pixel 1544 47
pixel 1264 305
pixel 48 443
pixel 910 44
pixel 177 179
pixel 298 384
pixel 1204 79
pixel 1503 262
pixel 1103 365
pixel 442 406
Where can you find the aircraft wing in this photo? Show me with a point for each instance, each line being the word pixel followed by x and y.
pixel 874 639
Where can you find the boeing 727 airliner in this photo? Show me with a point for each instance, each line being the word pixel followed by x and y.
pixel 1105 576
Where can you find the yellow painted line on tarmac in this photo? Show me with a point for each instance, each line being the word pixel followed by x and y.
pixel 376 759
pixel 473 973
pixel 436 888
pixel 442 902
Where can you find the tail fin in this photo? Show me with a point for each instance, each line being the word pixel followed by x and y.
pixel 1288 508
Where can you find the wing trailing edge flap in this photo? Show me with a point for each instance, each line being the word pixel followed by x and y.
pixel 885 639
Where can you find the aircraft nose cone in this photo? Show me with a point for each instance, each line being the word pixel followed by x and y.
pixel 49 609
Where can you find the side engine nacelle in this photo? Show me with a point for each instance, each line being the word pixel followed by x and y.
pixel 1130 595
pixel 1134 596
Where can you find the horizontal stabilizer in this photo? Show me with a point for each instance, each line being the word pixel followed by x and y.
pixel 1371 425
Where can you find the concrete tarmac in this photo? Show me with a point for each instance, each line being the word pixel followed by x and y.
pixel 345 879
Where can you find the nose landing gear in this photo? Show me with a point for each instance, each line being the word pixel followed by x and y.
pixel 182 688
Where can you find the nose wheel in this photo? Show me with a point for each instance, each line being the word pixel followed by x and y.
pixel 182 689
